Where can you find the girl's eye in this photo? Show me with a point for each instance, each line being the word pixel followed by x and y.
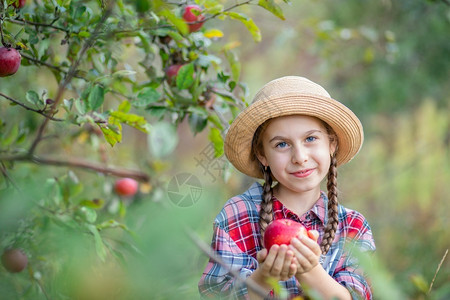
pixel 310 139
pixel 281 145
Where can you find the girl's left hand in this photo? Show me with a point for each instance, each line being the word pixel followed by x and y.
pixel 307 251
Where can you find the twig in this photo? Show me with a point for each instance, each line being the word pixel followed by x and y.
pixel 78 163
pixel 8 179
pixel 208 251
pixel 39 62
pixel 437 270
pixel 24 22
pixel 29 108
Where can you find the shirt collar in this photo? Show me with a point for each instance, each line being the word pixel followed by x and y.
pixel 319 210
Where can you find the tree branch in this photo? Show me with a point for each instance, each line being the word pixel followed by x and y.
pixel 79 163
pixel 211 254
pixel 70 75
pixel 40 62
pixel 39 111
pixel 25 22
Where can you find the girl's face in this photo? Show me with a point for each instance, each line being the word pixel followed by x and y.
pixel 297 149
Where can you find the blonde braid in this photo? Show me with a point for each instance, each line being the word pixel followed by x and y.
pixel 333 219
pixel 266 211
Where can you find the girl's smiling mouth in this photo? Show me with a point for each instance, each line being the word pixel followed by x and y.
pixel 303 173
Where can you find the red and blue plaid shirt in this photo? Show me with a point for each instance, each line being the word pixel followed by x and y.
pixel 237 239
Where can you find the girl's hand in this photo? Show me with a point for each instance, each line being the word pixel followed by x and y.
pixel 278 263
pixel 306 251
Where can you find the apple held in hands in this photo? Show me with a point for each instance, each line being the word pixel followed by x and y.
pixel 9 61
pixel 281 232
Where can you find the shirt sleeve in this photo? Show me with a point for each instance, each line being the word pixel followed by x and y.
pixel 359 239
pixel 216 282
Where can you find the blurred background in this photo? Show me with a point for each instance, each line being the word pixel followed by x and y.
pixel 386 60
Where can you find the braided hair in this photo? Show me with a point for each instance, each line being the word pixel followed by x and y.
pixel 333 219
pixel 266 211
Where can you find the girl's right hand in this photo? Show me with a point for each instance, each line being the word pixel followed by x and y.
pixel 278 263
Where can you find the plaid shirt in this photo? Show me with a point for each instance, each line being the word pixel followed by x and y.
pixel 236 240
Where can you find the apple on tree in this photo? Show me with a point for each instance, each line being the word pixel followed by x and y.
pixel 9 61
pixel 14 260
pixel 19 3
pixel 172 72
pixel 193 14
pixel 126 187
pixel 281 231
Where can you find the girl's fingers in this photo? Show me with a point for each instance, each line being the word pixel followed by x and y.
pixel 307 257
pixel 278 264
pixel 313 234
pixel 270 258
pixel 287 265
pixel 261 255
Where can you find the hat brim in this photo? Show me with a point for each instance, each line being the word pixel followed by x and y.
pixel 238 141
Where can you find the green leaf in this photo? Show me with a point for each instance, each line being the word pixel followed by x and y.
pixel 235 65
pixel 162 139
pixel 96 97
pixel 146 96
pixel 81 106
pixel 84 34
pixel 123 73
pixel 185 77
pixel 87 214
pixel 197 122
pixel 216 138
pixel 96 203
pixel 112 135
pixel 157 111
pixel 33 98
pixel 179 23
pixel 124 106
pixel 419 282
pixel 10 137
pixel 99 246
pixel 132 120
pixel 248 22
pixel 271 6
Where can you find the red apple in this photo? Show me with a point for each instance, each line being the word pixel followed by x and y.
pixel 9 61
pixel 126 187
pixel 281 232
pixel 14 260
pixel 193 13
pixel 172 72
pixel 19 3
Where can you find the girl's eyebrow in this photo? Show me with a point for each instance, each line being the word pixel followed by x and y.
pixel 307 133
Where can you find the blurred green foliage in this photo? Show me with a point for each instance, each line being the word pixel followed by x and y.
pixel 387 60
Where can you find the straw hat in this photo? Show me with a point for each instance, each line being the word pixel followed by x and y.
pixel 288 96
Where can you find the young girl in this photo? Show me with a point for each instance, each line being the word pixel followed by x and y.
pixel 293 135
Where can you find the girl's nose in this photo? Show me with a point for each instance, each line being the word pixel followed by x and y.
pixel 299 155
